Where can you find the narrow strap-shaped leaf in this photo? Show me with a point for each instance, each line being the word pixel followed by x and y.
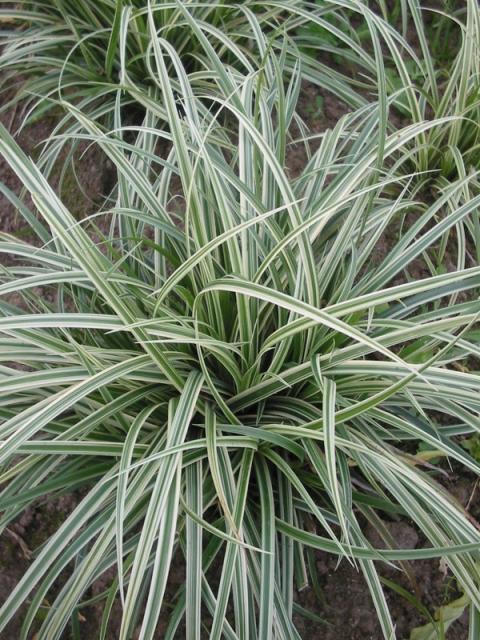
pixel 267 570
pixel 194 500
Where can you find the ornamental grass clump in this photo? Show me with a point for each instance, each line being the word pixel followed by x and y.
pixel 94 53
pixel 429 87
pixel 99 56
pixel 233 374
pixel 430 69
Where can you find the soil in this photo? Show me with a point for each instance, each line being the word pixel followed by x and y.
pixel 346 607
pixel 90 168
pixel 348 610
pixel 319 111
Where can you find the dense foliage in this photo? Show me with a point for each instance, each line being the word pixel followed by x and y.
pixel 232 366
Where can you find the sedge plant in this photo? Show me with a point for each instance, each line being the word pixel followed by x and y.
pixel 98 55
pixel 87 52
pixel 430 70
pixel 232 375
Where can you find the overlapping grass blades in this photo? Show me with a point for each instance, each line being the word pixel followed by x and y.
pixel 246 385
pixel 419 82
pixel 86 52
